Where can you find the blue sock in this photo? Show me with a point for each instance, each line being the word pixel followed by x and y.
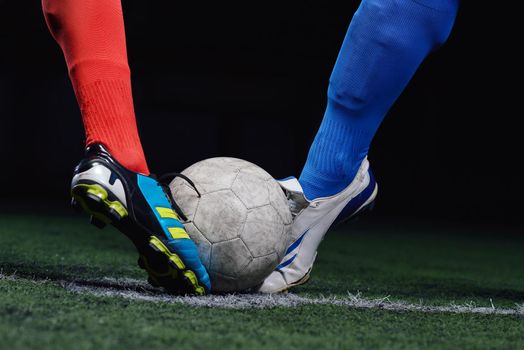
pixel 385 44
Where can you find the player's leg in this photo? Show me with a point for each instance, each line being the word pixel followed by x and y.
pixel 112 182
pixel 91 35
pixel 385 44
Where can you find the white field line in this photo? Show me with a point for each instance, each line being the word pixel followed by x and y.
pixel 142 291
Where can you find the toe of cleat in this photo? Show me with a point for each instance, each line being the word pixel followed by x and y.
pixel 166 269
pixel 276 283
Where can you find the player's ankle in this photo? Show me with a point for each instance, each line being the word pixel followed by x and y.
pixel 131 158
pixel 321 187
pixel 316 183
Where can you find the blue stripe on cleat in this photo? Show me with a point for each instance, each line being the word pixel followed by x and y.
pixel 296 243
pixel 286 263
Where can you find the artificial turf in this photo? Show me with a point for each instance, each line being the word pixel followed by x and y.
pixel 416 263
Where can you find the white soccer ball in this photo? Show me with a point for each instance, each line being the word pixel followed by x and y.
pixel 240 222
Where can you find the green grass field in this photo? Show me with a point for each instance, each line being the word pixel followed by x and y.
pixel 64 284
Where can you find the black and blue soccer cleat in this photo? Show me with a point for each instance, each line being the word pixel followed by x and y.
pixel 142 208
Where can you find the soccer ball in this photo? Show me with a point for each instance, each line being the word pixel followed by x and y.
pixel 240 222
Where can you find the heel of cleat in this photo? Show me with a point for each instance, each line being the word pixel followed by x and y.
pixel 76 206
pixel 94 199
pixel 364 210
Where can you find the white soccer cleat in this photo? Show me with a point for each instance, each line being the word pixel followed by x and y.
pixel 311 221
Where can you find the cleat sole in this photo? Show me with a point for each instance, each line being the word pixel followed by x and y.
pixel 140 263
pixel 301 281
pixel 94 199
pixel 164 266
pixel 76 206
pixel 359 213
pixel 152 281
pixel 97 222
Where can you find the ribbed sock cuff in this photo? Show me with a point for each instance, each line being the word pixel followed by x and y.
pixel 334 159
pixel 109 118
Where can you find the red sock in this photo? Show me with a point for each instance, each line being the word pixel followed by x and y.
pixel 92 37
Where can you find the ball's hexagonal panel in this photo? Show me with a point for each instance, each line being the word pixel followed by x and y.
pixel 214 174
pixel 229 257
pixel 220 216
pixel 278 200
pixel 257 171
pixel 185 196
pixel 262 232
pixel 203 245
pixel 259 268
pixel 251 190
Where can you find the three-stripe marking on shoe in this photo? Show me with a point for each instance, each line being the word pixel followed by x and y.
pixel 172 227
pixel 160 206
pixel 178 233
pixel 289 250
pixel 175 232
pixel 296 243
pixel 167 213
pixel 286 263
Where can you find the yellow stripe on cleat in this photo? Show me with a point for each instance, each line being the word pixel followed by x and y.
pixel 167 213
pixel 178 233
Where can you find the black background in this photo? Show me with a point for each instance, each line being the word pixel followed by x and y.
pixel 249 80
